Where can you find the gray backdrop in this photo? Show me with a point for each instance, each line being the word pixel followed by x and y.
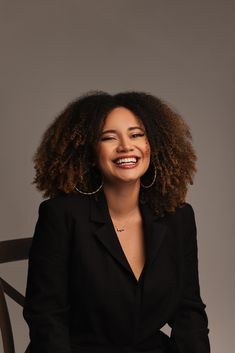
pixel 183 51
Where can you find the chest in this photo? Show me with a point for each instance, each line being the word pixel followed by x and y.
pixel 132 242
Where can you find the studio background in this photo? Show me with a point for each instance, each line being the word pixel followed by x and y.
pixel 182 51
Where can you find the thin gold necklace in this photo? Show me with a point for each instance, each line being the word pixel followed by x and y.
pixel 122 229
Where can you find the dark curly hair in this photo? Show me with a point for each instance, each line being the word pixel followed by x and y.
pixel 65 155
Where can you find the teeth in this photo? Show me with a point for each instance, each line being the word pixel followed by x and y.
pixel 126 160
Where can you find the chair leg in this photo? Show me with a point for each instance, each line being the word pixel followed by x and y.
pixel 5 324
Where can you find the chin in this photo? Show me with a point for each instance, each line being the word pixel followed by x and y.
pixel 129 179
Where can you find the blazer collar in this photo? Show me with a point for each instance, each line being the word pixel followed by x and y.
pixel 154 230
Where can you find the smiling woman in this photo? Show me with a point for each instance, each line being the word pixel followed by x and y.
pixel 66 159
pixel 114 252
pixel 122 148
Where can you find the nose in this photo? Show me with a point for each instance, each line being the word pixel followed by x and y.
pixel 124 145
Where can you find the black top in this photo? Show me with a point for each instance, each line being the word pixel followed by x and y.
pixel 82 295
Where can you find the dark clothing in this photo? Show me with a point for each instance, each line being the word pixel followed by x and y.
pixel 82 295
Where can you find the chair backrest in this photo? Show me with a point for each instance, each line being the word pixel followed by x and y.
pixel 10 250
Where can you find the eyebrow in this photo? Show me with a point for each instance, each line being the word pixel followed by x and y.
pixel 129 129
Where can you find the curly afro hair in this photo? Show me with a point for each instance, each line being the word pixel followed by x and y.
pixel 65 156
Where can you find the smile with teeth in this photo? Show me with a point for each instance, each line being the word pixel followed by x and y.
pixel 126 161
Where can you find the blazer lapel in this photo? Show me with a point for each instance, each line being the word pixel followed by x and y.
pixel 154 231
pixel 104 230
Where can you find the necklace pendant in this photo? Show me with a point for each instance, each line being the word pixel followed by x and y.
pixel 120 229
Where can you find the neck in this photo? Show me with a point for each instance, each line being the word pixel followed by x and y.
pixel 122 199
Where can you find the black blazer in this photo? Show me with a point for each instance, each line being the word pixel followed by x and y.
pixel 82 295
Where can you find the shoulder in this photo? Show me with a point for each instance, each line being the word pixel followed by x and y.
pixel 65 202
pixel 188 227
pixel 60 211
pixel 183 218
pixel 186 210
pixel 187 215
pixel 182 212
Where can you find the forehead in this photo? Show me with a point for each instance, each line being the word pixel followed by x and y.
pixel 121 117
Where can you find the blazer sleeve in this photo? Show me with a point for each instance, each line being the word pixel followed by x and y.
pixel 190 323
pixel 46 307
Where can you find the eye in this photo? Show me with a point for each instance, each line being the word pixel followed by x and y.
pixel 137 135
pixel 106 138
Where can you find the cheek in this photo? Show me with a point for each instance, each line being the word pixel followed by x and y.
pixel 147 151
pixel 103 155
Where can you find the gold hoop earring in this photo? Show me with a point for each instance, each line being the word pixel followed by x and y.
pixel 89 193
pixel 154 178
pixel 92 192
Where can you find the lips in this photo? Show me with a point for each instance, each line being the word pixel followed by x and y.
pixel 126 159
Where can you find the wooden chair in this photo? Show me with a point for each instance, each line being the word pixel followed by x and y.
pixel 10 250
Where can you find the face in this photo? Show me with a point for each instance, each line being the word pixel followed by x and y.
pixel 123 150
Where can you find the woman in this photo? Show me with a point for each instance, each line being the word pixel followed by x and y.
pixel 114 252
